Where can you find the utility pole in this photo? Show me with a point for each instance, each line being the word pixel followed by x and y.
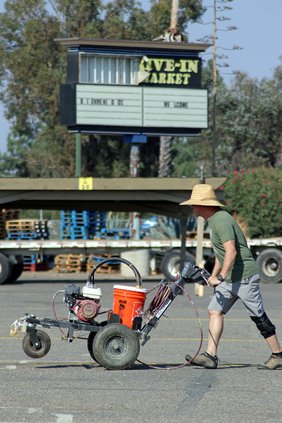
pixel 174 14
pixel 165 141
pixel 215 66
pixel 214 135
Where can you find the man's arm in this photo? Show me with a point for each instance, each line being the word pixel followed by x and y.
pixel 216 268
pixel 229 260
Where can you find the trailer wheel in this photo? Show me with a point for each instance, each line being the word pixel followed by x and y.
pixel 5 269
pixel 16 271
pixel 37 351
pixel 170 265
pixel 116 347
pixel 270 265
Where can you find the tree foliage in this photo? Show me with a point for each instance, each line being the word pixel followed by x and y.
pixel 248 118
pixel 250 121
pixel 255 194
pixel 32 69
pixel 32 66
pixel 160 12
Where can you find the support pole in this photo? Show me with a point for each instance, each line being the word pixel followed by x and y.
pixel 183 223
pixel 199 289
pixel 134 173
pixel 78 155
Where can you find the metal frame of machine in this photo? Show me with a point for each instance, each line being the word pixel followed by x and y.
pixel 112 344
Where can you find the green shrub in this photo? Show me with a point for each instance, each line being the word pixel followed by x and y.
pixel 256 195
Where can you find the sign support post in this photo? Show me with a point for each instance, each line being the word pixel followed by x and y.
pixel 78 155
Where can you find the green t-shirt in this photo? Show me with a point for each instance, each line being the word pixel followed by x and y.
pixel 224 228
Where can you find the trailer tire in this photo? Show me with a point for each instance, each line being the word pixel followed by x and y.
pixel 270 265
pixel 116 347
pixel 170 265
pixel 16 271
pixel 40 351
pixel 5 269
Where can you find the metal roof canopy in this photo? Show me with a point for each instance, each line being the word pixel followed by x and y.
pixel 152 195
pixel 131 44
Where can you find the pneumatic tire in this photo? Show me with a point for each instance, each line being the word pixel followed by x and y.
pixel 16 271
pixel 37 351
pixel 170 265
pixel 269 262
pixel 116 347
pixel 90 341
pixel 5 269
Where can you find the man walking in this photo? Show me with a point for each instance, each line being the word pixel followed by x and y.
pixel 235 275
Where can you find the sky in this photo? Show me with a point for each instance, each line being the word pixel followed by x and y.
pixel 259 35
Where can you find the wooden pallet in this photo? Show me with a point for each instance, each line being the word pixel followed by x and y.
pixel 10 214
pixel 20 225
pixel 105 268
pixel 70 263
pixel 70 269
pixel 4 216
pixel 2 229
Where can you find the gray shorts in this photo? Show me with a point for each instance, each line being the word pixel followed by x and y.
pixel 247 290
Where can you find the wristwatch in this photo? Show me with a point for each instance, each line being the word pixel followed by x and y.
pixel 220 278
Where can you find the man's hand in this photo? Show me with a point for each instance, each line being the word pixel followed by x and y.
pixel 213 281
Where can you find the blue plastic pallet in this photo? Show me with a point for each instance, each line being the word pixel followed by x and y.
pixel 29 259
pixel 74 237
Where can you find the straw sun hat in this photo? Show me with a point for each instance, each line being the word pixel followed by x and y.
pixel 202 195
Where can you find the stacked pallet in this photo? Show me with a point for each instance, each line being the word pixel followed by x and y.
pixel 2 226
pixel 4 216
pixel 74 263
pixel 114 233
pixel 110 267
pixel 70 263
pixel 98 222
pixel 81 225
pixel 34 264
pixel 27 229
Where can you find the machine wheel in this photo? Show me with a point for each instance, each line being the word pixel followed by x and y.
pixel 90 341
pixel 37 351
pixel 171 264
pixel 270 265
pixel 116 347
pixel 5 269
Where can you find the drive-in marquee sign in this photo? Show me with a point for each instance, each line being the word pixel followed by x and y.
pixel 171 71
pixel 145 107
pixel 133 87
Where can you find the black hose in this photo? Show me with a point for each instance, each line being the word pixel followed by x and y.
pixel 118 260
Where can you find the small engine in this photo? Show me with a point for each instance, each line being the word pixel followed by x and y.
pixel 85 303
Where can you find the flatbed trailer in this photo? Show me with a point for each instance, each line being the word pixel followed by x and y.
pixel 267 251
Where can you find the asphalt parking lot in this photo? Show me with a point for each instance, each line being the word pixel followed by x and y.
pixel 67 386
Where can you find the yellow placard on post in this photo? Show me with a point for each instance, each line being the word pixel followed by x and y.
pixel 85 184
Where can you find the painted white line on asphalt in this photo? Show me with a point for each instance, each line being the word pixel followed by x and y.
pixel 11 366
pixel 64 418
pixel 33 410
pixel 33 363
